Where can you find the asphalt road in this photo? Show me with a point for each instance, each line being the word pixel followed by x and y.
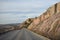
pixel 22 34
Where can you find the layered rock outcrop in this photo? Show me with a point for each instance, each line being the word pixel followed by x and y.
pixel 48 24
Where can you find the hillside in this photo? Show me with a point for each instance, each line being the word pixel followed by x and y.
pixel 48 24
pixel 8 27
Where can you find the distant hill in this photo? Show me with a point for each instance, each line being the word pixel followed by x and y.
pixel 9 27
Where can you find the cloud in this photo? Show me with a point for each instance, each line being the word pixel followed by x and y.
pixel 13 18
pixel 25 6
pixel 19 6
pixel 15 11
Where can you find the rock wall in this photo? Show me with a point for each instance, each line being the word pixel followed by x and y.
pixel 42 24
pixel 58 7
pixel 50 12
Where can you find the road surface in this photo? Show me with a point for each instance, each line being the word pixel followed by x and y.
pixel 22 34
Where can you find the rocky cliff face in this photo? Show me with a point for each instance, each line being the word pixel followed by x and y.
pixel 48 24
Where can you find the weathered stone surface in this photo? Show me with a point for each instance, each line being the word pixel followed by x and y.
pixel 44 24
pixel 50 12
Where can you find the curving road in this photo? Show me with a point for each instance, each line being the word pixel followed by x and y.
pixel 22 34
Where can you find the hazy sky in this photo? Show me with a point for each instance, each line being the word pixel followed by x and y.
pixel 16 11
